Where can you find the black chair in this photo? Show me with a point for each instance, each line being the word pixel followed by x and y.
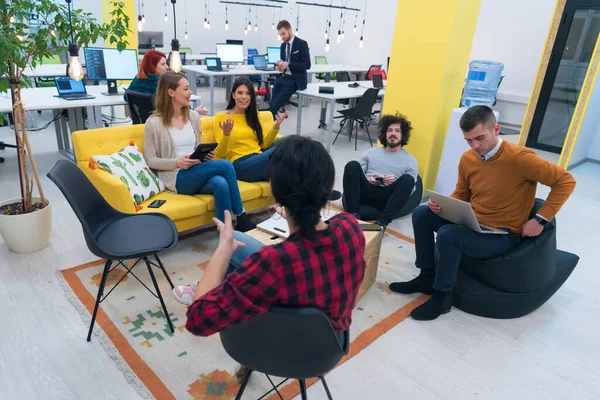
pixel 342 76
pixel 113 235
pixel 5 145
pixel 293 343
pixel 360 114
pixel 141 106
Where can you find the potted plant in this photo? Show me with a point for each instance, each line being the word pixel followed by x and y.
pixel 31 31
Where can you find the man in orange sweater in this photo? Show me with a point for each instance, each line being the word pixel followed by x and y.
pixel 499 180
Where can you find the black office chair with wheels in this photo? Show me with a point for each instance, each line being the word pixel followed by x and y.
pixel 141 106
pixel 360 114
pixel 3 146
pixel 113 235
pixel 293 343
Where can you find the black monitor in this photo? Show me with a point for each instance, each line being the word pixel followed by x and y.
pixel 234 41
pixel 150 40
pixel 110 65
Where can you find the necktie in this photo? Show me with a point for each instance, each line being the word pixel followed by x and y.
pixel 287 56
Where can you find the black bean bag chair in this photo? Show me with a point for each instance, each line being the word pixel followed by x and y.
pixel 516 283
pixel 368 213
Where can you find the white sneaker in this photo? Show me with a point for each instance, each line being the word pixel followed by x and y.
pixel 185 294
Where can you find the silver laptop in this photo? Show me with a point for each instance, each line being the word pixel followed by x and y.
pixel 461 213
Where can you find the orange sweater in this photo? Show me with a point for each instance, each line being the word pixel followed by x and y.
pixel 502 189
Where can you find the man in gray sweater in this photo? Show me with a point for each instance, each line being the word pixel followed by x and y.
pixel 381 182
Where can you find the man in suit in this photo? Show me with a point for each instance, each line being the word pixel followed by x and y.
pixel 295 61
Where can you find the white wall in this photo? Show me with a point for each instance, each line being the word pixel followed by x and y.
pixel 590 131
pixel 594 152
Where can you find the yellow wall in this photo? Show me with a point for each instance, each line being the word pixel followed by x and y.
pixel 429 60
pixel 132 38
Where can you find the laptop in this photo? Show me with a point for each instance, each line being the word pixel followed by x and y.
pixel 213 64
pixel 260 63
pixel 461 213
pixel 70 89
pixel 377 81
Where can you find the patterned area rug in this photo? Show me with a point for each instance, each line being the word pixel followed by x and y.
pixel 132 327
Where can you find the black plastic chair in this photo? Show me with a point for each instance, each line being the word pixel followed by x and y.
pixel 113 235
pixel 141 106
pixel 293 343
pixel 360 114
pixel 342 76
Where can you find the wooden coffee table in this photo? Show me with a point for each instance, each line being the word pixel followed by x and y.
pixel 372 249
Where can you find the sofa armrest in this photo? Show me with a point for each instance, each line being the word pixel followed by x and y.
pixel 111 188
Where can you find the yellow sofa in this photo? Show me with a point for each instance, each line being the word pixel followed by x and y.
pixel 187 212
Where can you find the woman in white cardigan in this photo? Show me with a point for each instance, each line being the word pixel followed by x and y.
pixel 170 136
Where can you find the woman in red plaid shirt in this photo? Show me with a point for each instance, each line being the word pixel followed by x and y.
pixel 320 264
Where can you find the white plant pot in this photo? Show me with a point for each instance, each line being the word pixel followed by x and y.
pixel 26 233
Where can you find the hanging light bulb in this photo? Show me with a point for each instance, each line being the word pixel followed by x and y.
pixel 327 46
pixel 354 30
pixel 143 19
pixel 75 68
pixel 273 26
pixel 175 63
pixel 245 30
pixel 360 44
pixel 342 35
pixel 185 35
pixel 205 23
pixel 140 24
pixel 339 36
pixel 249 25
pixel 166 18
pixel 296 32
pixel 208 25
pixel 226 18
pixel 256 28
pixel 226 25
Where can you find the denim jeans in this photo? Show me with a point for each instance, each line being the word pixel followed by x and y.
pixel 253 167
pixel 241 253
pixel 452 242
pixel 216 177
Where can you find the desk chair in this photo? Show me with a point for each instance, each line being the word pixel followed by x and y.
pixel 253 78
pixel 360 114
pixel 375 69
pixel 187 51
pixel 323 60
pixel 113 235
pixel 3 146
pixel 140 106
pixel 293 343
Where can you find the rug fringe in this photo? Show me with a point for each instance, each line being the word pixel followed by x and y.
pixel 104 341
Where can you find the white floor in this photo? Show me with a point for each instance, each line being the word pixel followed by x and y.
pixel 552 353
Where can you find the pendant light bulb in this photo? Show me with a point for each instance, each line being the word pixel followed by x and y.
pixel 143 19
pixel 296 32
pixel 205 23
pixel 226 25
pixel 245 30
pixel 140 24
pixel 327 46
pixel 342 35
pixel 175 63
pixel 273 26
pixel 208 25
pixel 185 35
pixel 256 28
pixel 166 18
pixel 360 44
pixel 75 68
pixel 339 36
pixel 354 30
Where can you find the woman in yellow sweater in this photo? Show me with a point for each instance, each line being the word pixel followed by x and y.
pixel 243 135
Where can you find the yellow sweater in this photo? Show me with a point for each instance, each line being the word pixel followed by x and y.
pixel 502 189
pixel 242 141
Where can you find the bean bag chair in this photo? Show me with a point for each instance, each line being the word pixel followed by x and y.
pixel 516 283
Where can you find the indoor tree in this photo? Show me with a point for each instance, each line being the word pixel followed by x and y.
pixel 31 31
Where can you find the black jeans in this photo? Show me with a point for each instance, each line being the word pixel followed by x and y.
pixel 374 202
pixel 452 242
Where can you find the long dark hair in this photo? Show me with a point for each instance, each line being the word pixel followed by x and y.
pixel 252 110
pixel 302 175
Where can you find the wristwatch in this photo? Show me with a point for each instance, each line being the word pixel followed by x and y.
pixel 540 220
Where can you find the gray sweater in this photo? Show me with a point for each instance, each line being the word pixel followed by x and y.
pixel 378 161
pixel 159 149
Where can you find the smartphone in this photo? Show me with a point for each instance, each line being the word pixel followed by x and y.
pixel 379 178
pixel 156 203
pixel 371 227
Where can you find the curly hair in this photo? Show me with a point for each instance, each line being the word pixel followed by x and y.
pixel 391 119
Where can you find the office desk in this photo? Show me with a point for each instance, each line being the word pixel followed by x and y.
pixel 329 69
pixel 38 99
pixel 46 71
pixel 341 91
pixel 193 71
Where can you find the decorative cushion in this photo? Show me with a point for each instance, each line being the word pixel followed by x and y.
pixel 129 166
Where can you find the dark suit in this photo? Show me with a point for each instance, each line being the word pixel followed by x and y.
pixel 287 85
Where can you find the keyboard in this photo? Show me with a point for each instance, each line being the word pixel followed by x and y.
pixel 81 96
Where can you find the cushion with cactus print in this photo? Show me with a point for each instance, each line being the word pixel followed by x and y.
pixel 129 166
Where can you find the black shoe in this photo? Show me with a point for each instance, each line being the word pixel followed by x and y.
pixel 381 223
pixel 421 284
pixel 440 303
pixel 244 223
pixel 335 195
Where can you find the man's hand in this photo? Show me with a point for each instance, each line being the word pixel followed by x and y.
pixel 374 181
pixel 201 110
pixel 532 228
pixel 434 207
pixel 209 156
pixel 226 239
pixel 280 210
pixel 389 179
pixel 282 65
pixel 227 126
pixel 279 119
pixel 185 162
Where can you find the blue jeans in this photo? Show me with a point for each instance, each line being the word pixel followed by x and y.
pixel 283 89
pixel 216 177
pixel 452 242
pixel 253 167
pixel 241 253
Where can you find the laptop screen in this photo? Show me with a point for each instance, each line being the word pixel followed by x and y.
pixel 69 86
pixel 211 63
pixel 260 61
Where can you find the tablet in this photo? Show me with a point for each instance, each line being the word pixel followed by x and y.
pixel 202 150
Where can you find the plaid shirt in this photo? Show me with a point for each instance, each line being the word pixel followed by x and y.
pixel 325 272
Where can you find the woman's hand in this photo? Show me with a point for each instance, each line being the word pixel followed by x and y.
pixel 209 156
pixel 185 162
pixel 201 110
pixel 279 119
pixel 227 126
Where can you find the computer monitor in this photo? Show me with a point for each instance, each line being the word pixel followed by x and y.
pixel 150 40
pixel 110 65
pixel 230 53
pixel 234 41
pixel 273 54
